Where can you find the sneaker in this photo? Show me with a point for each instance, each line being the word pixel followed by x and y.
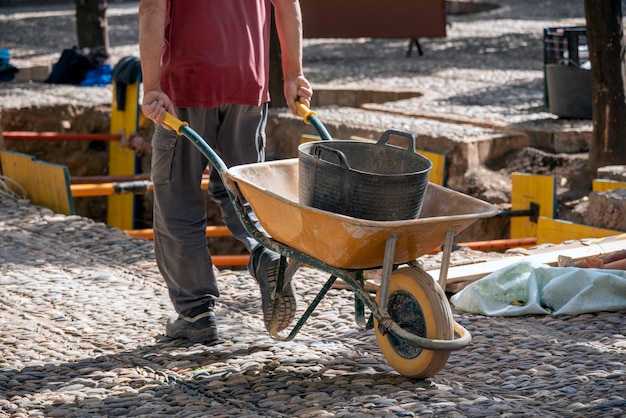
pixel 266 274
pixel 199 326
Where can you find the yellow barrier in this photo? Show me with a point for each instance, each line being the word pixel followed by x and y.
pixel 527 189
pixel 602 185
pixel 47 184
pixel 556 231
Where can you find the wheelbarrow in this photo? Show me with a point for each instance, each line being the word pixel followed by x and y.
pixel 410 313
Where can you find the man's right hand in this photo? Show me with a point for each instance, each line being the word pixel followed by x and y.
pixel 155 104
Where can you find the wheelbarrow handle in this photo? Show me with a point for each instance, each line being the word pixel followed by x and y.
pixel 304 112
pixel 174 123
pixel 310 118
pixel 183 129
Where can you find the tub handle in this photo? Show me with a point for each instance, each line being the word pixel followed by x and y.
pixel 317 150
pixel 409 137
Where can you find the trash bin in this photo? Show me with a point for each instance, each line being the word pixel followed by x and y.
pixel 567 72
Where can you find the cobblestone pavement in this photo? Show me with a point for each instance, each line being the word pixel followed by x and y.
pixel 83 306
pixel 83 312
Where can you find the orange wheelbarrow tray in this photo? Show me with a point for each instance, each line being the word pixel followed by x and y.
pixel 341 241
pixel 410 314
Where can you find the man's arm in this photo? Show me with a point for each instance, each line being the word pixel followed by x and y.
pixel 151 34
pixel 289 28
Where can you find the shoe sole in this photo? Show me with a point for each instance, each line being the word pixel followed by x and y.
pixel 284 302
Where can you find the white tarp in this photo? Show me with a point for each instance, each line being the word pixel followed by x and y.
pixel 526 288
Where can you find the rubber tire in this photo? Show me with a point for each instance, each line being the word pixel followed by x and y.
pixel 437 317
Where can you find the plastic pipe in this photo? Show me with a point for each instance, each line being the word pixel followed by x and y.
pixel 56 136
pixel 148 233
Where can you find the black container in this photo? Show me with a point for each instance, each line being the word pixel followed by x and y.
pixel 567 72
pixel 570 91
pixel 374 181
pixel 565 45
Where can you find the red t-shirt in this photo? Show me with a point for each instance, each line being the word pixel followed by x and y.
pixel 216 52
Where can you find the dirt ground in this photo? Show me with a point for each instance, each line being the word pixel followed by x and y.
pixel 570 170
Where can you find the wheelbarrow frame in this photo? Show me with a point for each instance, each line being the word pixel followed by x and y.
pixel 354 278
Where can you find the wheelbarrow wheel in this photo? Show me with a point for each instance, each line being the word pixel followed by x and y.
pixel 419 305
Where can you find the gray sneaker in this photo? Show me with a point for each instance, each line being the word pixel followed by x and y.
pixel 198 326
pixel 266 274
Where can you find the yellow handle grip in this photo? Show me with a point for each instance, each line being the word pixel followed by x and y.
pixel 304 111
pixel 174 123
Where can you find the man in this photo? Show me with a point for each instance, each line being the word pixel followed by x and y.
pixel 206 61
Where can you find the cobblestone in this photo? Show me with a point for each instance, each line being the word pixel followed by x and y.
pixel 83 316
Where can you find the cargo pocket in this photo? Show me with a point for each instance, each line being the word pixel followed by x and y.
pixel 163 145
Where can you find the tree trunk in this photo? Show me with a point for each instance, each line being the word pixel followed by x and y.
pixel 276 80
pixel 91 24
pixel 608 75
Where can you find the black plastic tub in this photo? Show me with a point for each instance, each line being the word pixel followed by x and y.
pixel 365 180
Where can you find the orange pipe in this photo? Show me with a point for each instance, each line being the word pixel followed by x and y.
pixel 148 233
pixel 500 244
pixel 108 189
pixel 107 179
pixel 112 179
pixel 56 136
pixel 86 190
pixel 496 244
pixel 230 260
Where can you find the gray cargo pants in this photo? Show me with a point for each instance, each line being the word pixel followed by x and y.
pixel 237 134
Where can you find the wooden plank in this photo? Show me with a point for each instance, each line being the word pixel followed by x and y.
pixel 603 185
pixel 550 255
pixel 553 231
pixel 527 189
pixel 122 160
pixel 47 184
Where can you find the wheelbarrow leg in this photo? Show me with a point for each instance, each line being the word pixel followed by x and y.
pixel 445 258
pixel 390 250
pixel 359 306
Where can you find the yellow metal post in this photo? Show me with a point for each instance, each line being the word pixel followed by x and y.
pixel 122 160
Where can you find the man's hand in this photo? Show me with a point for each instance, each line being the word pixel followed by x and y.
pixel 155 104
pixel 297 89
